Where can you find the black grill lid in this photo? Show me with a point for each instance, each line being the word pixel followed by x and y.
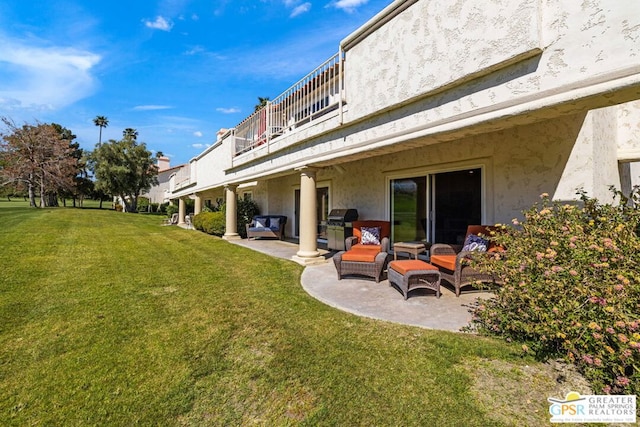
pixel 343 215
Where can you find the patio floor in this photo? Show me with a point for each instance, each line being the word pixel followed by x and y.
pixel 365 297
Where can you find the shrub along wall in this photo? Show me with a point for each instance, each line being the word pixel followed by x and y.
pixel 246 210
pixel 572 288
pixel 210 222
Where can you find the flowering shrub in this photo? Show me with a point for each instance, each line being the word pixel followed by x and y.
pixel 571 288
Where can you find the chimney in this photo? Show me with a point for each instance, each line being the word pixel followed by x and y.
pixel 163 163
pixel 220 133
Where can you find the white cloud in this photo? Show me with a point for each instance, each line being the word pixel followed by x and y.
pixel 159 24
pixel 198 134
pixel 151 107
pixel 34 77
pixel 298 10
pixel 195 50
pixel 349 5
pixel 231 110
pixel 201 145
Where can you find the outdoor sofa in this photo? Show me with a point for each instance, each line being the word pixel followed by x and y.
pixel 267 226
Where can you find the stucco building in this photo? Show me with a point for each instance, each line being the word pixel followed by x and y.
pixel 434 115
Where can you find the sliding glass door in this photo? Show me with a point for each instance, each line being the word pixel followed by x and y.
pixel 456 201
pixel 409 209
pixel 436 207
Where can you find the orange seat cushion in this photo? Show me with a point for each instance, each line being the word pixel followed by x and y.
pixel 360 255
pixel 444 261
pixel 405 266
pixel 370 248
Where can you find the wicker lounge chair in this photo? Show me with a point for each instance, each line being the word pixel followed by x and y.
pixel 451 260
pixel 362 257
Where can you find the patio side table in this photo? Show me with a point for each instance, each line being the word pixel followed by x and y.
pixel 414 248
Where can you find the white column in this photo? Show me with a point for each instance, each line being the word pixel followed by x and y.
pixel 231 223
pixel 182 208
pixel 308 246
pixel 197 207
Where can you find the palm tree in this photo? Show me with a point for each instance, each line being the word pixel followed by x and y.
pixel 130 133
pixel 262 102
pixel 102 122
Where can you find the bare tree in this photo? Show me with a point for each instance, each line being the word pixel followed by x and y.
pixel 41 157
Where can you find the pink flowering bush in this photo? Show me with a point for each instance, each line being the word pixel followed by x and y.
pixel 571 288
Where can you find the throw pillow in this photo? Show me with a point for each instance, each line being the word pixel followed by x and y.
pixel 261 222
pixel 475 243
pixel 274 223
pixel 370 235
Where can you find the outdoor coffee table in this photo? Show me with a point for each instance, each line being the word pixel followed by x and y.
pixel 414 248
pixel 412 274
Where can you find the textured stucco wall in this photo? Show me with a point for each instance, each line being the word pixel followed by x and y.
pixel 433 44
pixel 557 156
pixel 585 44
pixel 628 126
pixel 157 193
pixel 634 173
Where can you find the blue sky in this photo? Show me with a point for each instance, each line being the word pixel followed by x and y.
pixel 175 70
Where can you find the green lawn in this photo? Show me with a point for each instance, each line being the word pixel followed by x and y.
pixel 111 319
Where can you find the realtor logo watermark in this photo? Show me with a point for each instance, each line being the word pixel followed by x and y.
pixel 593 409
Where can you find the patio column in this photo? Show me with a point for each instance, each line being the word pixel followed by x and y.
pixel 182 208
pixel 197 206
pixel 231 223
pixel 308 247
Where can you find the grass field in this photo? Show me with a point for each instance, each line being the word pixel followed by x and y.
pixel 111 319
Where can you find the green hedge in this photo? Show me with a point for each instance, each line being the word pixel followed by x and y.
pixel 210 222
pixel 171 209
pixel 247 209
pixel 215 224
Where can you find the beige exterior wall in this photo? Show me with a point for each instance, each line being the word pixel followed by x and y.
pixel 628 130
pixel 542 94
pixel 557 156
pixel 433 45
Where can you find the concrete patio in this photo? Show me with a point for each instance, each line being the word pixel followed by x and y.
pixel 365 297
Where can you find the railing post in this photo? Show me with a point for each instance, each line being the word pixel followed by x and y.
pixel 340 85
pixel 269 127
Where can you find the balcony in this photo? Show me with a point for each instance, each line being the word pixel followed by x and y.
pixel 181 179
pixel 313 96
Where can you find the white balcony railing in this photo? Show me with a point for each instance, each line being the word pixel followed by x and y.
pixel 312 96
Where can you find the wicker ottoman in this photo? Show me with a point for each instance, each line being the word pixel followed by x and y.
pixel 408 275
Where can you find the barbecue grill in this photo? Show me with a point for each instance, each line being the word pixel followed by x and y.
pixel 339 227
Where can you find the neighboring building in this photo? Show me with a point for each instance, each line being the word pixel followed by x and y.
pixel 160 193
pixel 435 115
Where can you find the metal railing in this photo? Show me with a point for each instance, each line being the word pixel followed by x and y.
pixel 314 95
